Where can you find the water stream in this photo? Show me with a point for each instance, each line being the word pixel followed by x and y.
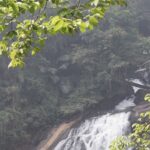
pixel 97 133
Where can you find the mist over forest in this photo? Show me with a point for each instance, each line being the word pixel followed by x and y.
pixel 74 75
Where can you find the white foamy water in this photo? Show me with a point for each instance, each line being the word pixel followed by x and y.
pixel 126 103
pixel 97 133
pixel 138 81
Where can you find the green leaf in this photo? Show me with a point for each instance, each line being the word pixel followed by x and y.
pixel 42 41
pixel 147 97
pixel 3 47
pixel 83 26
pixel 2 28
pixel 93 20
pixel 58 25
pixel 16 63
pixel 23 6
pixel 90 27
pixel 35 50
pixel 14 7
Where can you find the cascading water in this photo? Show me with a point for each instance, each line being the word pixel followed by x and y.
pixel 138 81
pixel 98 132
pixel 126 103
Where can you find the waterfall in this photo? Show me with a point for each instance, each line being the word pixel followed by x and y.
pixel 138 81
pixel 126 103
pixel 98 132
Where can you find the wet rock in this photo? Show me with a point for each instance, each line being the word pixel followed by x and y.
pixel 137 110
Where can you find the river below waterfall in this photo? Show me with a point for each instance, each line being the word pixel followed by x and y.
pixel 98 132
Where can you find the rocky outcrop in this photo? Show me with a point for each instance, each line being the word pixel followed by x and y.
pixel 142 108
pixel 137 110
pixel 147 87
pixel 55 134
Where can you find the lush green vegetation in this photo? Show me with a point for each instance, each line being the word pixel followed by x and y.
pixel 26 24
pixel 72 73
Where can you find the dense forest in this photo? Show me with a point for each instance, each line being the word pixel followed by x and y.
pixel 72 73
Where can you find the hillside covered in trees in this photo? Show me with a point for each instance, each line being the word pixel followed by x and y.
pixel 73 73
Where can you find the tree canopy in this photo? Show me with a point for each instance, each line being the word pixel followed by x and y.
pixel 26 24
